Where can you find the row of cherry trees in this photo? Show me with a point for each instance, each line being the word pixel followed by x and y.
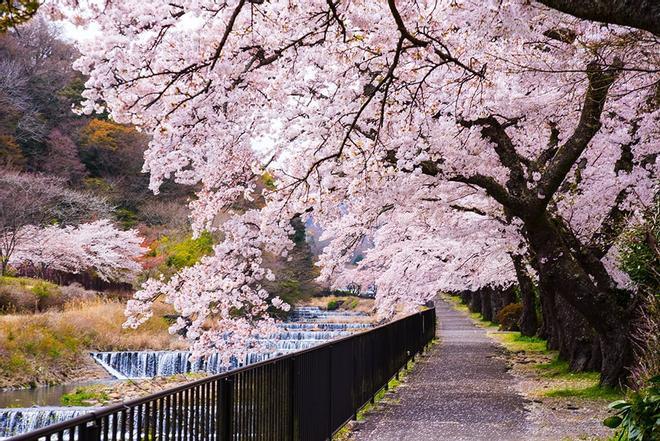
pixel 96 247
pixel 46 227
pixel 477 143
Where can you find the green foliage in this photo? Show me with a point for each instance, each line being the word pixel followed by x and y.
pixel 25 294
pixel 188 251
pixel 72 92
pixel 332 305
pixel 509 317
pixel 638 416
pixel 84 396
pixel 289 290
pixel 126 217
pixel 638 251
pixel 43 289
pixel 15 12
pixel 269 181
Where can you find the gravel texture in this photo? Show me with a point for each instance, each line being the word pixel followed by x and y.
pixel 461 390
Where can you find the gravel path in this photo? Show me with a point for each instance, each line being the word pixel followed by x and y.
pixel 461 391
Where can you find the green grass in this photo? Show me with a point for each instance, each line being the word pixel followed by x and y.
pixel 84 396
pixel 482 322
pixel 515 342
pixel 588 393
pixel 459 306
pixel 559 369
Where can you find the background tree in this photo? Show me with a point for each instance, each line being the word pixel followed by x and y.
pixel 32 200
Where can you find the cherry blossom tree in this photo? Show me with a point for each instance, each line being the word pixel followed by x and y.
pixel 31 200
pixel 97 247
pixel 375 116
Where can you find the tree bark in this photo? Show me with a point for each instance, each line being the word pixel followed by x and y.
pixel 528 321
pixel 583 306
pixel 640 14
pixel 486 303
pixel 475 302
pixel 465 297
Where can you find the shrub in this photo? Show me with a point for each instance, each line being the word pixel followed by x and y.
pixel 22 294
pixel 637 256
pixel 638 417
pixel 186 252
pixel 76 293
pixel 509 317
pixel 332 305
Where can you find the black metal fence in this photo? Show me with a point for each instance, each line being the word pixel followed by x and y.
pixel 305 396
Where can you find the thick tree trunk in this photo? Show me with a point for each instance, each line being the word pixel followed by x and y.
pixel 577 339
pixel 617 356
pixel 475 301
pixel 549 323
pixel 465 297
pixel 486 303
pixel 528 320
pixel 579 307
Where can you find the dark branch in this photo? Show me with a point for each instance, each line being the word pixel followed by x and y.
pixel 599 83
pixel 640 14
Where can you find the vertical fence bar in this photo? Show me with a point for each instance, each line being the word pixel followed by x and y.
pixel 227 406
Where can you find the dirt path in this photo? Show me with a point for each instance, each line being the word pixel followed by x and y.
pixel 460 391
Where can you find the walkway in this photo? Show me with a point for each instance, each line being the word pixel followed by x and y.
pixel 460 392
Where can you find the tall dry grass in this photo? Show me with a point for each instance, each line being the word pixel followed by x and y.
pixel 52 346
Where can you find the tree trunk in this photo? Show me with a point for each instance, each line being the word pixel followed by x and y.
pixel 465 297
pixel 475 301
pixel 577 339
pixel 580 306
pixel 486 303
pixel 528 321
pixel 617 356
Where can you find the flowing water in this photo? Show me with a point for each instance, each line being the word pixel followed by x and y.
pixel 307 327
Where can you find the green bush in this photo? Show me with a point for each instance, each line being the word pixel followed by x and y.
pixel 509 317
pixel 188 251
pixel 332 305
pixel 636 255
pixel 638 417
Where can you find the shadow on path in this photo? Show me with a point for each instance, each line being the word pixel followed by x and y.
pixel 460 391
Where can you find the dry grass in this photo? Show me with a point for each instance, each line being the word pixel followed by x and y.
pixel 52 346
pixel 349 303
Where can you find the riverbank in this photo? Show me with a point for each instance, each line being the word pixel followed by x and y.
pixel 53 347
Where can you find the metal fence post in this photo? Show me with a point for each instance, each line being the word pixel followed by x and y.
pixel 91 432
pixel 292 398
pixel 227 397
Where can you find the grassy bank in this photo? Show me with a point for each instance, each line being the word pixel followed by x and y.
pixel 51 347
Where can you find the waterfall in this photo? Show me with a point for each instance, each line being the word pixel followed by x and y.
pixel 307 327
pixel 16 421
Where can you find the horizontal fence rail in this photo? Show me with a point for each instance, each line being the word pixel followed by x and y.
pixel 304 396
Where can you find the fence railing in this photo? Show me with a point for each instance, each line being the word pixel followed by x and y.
pixel 304 396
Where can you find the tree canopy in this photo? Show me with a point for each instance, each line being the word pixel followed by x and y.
pixel 456 134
